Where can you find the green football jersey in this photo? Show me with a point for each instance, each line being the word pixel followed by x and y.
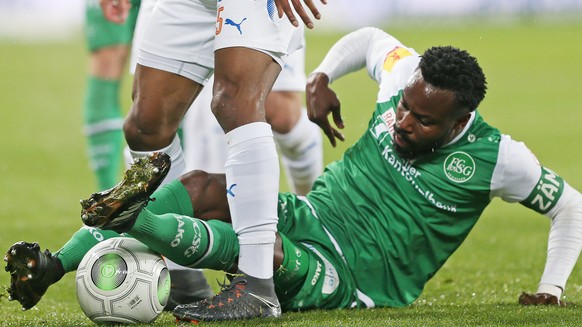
pixel 401 219
pixel 397 221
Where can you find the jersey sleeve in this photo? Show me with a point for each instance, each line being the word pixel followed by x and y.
pixel 518 177
pixel 517 172
pixel 379 52
pixel 391 64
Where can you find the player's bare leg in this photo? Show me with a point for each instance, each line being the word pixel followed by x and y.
pixel 252 175
pixel 160 101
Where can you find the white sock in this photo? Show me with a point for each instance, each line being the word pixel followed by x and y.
pixel 301 154
pixel 174 150
pixel 252 179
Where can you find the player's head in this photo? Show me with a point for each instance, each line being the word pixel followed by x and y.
pixel 453 69
pixel 437 101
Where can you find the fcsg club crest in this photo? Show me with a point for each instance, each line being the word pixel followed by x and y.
pixel 459 167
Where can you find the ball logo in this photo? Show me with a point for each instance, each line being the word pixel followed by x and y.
pixel 107 271
pixel 459 167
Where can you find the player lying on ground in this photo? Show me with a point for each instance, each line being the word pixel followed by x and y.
pixel 379 223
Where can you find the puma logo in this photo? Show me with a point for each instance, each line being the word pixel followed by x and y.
pixel 229 190
pixel 232 23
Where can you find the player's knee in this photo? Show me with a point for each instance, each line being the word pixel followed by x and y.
pixel 224 93
pixel 144 134
pixel 283 110
pixel 235 103
pixel 207 193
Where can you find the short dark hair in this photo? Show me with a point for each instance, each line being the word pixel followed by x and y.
pixel 453 69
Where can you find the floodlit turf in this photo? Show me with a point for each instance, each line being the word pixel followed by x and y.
pixel 533 69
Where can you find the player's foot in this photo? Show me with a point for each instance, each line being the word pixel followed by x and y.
pixel 246 297
pixel 31 273
pixel 117 208
pixel 188 286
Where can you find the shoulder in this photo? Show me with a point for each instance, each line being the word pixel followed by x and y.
pixel 517 171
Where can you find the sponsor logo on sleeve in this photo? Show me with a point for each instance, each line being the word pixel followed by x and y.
pixel 330 275
pixel 546 193
pixel 393 56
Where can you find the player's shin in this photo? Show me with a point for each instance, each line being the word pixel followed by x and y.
pixel 171 197
pixel 103 122
pixel 290 276
pixel 187 241
pixel 252 176
pixel 79 244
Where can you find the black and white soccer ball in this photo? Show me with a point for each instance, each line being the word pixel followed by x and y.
pixel 121 280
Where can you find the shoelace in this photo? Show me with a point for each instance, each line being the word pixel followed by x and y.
pixel 225 291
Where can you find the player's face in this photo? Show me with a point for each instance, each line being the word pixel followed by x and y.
pixel 426 118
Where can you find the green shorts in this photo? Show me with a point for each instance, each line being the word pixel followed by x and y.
pixel 101 33
pixel 328 284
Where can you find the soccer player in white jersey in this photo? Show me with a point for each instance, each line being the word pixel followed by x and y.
pixel 246 43
pixel 299 140
pixel 380 222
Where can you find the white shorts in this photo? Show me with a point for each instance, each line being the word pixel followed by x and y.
pixel 292 76
pixel 189 31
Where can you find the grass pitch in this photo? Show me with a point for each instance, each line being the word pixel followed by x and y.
pixel 533 70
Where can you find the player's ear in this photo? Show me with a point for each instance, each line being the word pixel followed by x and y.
pixel 461 122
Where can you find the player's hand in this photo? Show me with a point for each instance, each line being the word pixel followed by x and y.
pixel 540 299
pixel 115 11
pixel 283 6
pixel 321 100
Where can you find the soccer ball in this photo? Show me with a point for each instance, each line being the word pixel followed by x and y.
pixel 121 280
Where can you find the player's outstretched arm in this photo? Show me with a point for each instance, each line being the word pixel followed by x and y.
pixel 522 179
pixel 115 11
pixel 349 54
pixel 284 7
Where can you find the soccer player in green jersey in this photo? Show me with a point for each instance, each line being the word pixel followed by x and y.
pixel 109 45
pixel 380 222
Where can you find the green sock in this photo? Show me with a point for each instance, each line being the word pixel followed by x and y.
pixel 289 278
pixel 103 122
pixel 79 244
pixel 172 197
pixel 188 241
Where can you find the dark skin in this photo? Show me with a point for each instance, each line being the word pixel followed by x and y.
pixel 427 117
pixel 209 202
pixel 243 79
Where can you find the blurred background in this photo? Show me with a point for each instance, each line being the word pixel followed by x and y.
pixel 40 19
pixel 530 51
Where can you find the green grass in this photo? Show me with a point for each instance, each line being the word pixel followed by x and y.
pixel 533 70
